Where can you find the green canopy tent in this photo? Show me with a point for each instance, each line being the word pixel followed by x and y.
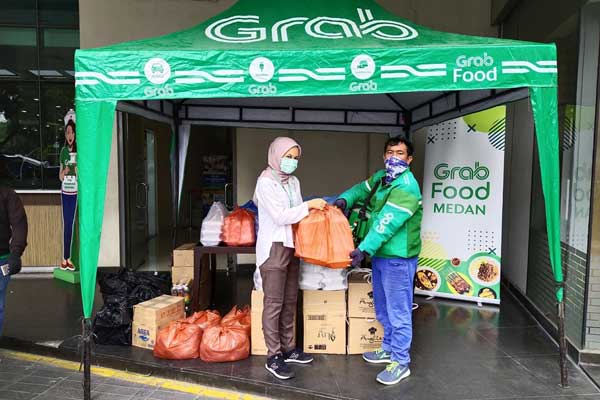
pixel 304 48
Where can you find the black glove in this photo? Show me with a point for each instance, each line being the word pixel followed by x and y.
pixel 14 264
pixel 357 257
pixel 341 204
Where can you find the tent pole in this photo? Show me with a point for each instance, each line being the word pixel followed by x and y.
pixel 176 122
pixel 564 382
pixel 87 350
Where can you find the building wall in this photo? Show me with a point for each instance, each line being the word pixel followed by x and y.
pixel 558 22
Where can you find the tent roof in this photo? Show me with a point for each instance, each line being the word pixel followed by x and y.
pixel 313 24
pixel 306 48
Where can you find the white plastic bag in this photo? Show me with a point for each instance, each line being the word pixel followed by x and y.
pixel 315 277
pixel 210 232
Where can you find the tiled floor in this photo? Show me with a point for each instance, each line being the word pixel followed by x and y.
pixel 460 351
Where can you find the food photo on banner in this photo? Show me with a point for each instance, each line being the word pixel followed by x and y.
pixel 462 208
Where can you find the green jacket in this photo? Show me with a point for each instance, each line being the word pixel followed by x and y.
pixel 395 212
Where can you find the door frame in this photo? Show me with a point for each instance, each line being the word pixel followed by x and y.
pixel 124 109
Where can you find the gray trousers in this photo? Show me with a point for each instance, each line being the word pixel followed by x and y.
pixel 280 286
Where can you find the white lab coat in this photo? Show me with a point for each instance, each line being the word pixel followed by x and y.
pixel 279 207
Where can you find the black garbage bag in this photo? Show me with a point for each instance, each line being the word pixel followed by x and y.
pixel 143 293
pixel 114 313
pixel 119 335
pixel 112 285
pixel 160 282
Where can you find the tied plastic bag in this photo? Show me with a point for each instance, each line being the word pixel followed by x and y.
pixel 315 277
pixel 324 238
pixel 238 228
pixel 210 232
pixel 205 319
pixel 223 344
pixel 238 318
pixel 180 340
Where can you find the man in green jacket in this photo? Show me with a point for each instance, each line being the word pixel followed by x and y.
pixel 393 240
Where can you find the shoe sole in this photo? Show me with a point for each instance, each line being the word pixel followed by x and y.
pixel 275 374
pixel 403 376
pixel 385 361
pixel 291 361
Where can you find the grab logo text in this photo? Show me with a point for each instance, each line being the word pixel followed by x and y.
pixel 475 69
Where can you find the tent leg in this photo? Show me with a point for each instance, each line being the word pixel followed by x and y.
pixel 87 350
pixel 564 382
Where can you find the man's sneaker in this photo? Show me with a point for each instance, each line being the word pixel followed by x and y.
pixel 276 366
pixel 379 356
pixel 297 356
pixel 393 374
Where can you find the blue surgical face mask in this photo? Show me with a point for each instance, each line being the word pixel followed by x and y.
pixel 288 165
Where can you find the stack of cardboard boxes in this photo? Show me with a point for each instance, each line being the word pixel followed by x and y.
pixel 332 324
pixel 183 264
pixel 365 333
pixel 324 321
pixel 182 273
pixel 153 315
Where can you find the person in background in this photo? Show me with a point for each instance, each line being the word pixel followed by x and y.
pixel 68 177
pixel 13 235
pixel 280 205
pixel 393 240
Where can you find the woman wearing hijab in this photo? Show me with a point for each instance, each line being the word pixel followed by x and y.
pixel 280 206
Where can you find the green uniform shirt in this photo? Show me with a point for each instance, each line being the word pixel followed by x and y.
pixel 396 210
pixel 69 183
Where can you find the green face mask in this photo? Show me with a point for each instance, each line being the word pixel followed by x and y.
pixel 288 165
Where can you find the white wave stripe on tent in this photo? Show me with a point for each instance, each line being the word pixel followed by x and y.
pixel 121 74
pixel 301 74
pixel 404 71
pixel 524 67
pixel 97 76
pixel 203 76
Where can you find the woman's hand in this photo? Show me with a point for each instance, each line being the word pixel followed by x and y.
pixel 316 204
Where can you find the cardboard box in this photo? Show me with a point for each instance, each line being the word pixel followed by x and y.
pixel 324 321
pixel 182 274
pixel 183 256
pixel 151 316
pixel 360 298
pixel 257 338
pixel 364 334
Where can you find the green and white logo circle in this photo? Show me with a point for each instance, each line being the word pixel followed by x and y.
pixel 363 67
pixel 262 69
pixel 157 70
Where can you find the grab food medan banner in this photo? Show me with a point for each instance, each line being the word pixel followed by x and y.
pixel 462 208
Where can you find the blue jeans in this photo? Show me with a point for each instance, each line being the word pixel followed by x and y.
pixel 393 295
pixel 3 285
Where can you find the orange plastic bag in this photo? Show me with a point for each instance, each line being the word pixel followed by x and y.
pixel 324 238
pixel 238 318
pixel 223 344
pixel 238 228
pixel 180 340
pixel 205 319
